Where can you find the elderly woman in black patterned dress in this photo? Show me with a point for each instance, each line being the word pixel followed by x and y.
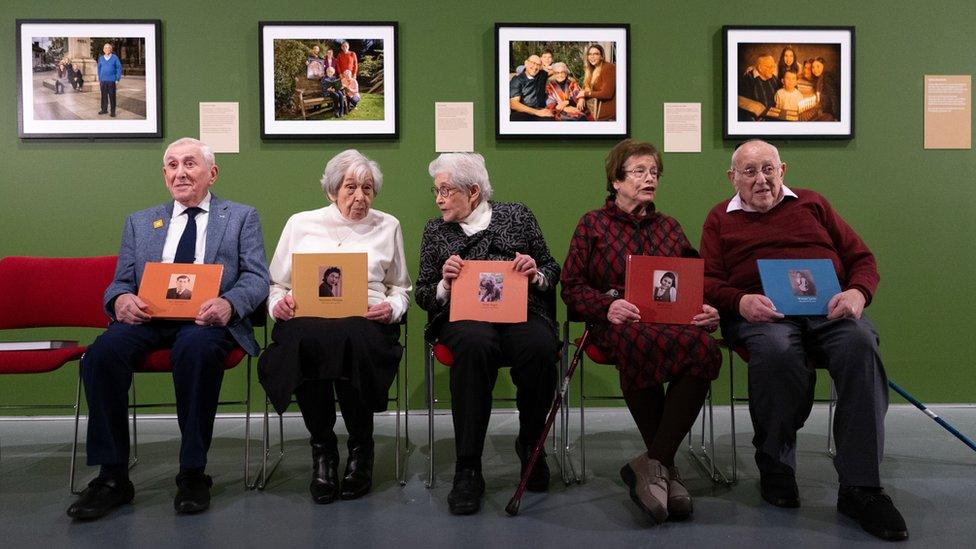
pixel 473 228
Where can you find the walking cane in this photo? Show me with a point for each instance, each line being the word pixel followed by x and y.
pixel 513 504
pixel 945 424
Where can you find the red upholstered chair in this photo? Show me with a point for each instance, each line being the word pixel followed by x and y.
pixel 439 352
pixel 42 292
pixel 401 450
pixel 812 364
pixel 599 356
pixel 158 361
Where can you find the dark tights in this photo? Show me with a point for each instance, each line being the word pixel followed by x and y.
pixel 664 420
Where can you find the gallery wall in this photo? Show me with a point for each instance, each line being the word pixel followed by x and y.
pixel 913 207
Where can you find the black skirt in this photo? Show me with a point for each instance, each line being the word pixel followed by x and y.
pixel 360 351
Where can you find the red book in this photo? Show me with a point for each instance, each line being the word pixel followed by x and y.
pixel 667 290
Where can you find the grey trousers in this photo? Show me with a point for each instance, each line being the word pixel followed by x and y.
pixel 781 390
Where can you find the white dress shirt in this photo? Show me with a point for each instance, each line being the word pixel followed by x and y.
pixel 737 204
pixel 326 231
pixel 176 225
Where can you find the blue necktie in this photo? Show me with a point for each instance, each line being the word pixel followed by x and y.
pixel 186 250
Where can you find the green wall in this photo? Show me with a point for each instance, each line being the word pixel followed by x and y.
pixel 913 207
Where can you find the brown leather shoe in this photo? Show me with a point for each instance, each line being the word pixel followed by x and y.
pixel 648 482
pixel 679 499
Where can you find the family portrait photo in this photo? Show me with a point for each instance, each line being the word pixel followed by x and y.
pixel 792 81
pixel 801 283
pixel 490 287
pixel 561 81
pixel 88 79
pixel 324 80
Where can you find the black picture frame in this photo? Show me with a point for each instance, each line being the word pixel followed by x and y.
pixel 569 42
pixel 44 113
pixel 299 107
pixel 752 106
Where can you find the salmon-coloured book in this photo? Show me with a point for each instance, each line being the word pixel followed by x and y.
pixel 667 290
pixel 329 285
pixel 177 290
pixel 490 291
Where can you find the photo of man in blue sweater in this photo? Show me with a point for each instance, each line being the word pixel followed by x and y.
pixel 109 74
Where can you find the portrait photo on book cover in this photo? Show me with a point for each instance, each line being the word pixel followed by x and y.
pixel 331 285
pixel 180 286
pixel 801 283
pixel 665 286
pixel 490 287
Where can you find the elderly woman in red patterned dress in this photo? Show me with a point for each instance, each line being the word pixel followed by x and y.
pixel 648 355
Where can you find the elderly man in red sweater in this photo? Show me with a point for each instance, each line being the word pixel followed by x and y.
pixel 767 220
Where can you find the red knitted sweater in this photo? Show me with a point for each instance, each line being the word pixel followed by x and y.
pixel 805 227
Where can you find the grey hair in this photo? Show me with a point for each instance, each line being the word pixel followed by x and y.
pixel 738 148
pixel 557 65
pixel 355 163
pixel 465 170
pixel 205 150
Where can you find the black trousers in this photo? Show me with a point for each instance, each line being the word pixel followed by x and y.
pixel 317 403
pixel 781 390
pixel 480 349
pixel 198 354
pixel 108 95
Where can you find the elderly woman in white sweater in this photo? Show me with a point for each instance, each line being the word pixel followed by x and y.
pixel 354 357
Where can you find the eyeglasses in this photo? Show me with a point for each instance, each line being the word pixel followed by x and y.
pixel 751 172
pixel 443 192
pixel 640 173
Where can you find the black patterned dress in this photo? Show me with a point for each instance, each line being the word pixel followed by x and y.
pixel 646 354
pixel 513 229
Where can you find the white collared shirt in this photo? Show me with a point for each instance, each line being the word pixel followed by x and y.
pixel 176 225
pixel 737 204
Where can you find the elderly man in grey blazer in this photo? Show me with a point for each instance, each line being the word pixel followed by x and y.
pixel 196 227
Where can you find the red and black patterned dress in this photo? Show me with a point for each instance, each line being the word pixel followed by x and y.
pixel 646 354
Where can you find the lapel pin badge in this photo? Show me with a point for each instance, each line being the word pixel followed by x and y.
pixel 157 224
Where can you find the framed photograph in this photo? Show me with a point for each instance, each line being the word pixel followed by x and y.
pixel 178 290
pixel 562 81
pixel 667 290
pixel 330 285
pixel 788 82
pixel 490 291
pixel 88 79
pixel 328 80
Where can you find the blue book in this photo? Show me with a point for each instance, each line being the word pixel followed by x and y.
pixel 799 287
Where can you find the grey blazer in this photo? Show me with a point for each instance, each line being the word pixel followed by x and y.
pixel 234 240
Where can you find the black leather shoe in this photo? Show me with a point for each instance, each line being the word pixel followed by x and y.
pixel 873 509
pixel 325 474
pixel 779 489
pixel 539 480
pixel 192 493
pixel 358 478
pixel 465 496
pixel 102 112
pixel 102 495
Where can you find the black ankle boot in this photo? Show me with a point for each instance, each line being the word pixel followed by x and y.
pixel 359 472
pixel 325 473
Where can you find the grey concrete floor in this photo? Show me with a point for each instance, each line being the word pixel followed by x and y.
pixel 930 475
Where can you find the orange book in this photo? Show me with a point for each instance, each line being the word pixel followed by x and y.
pixel 667 290
pixel 177 290
pixel 329 285
pixel 491 291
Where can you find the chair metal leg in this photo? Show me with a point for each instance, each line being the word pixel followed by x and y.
pixel 582 439
pixel 734 477
pixel 261 480
pixel 74 442
pixel 248 485
pixel 429 375
pixel 831 450
pixel 704 455
pixel 135 431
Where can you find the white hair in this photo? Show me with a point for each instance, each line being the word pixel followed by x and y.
pixel 465 170
pixel 354 163
pixel 205 150
pixel 559 66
